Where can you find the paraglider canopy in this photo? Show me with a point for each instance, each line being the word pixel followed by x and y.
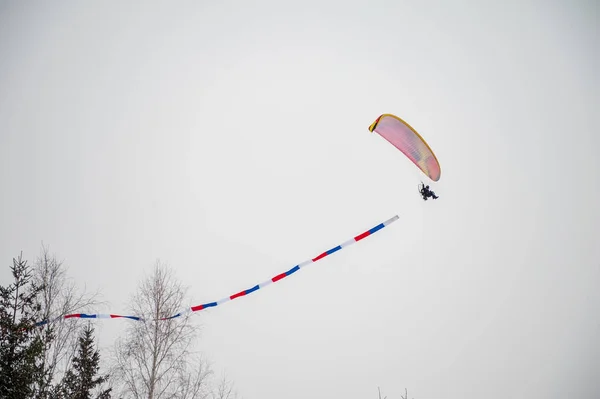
pixel 402 136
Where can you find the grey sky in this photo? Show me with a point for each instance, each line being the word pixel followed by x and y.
pixel 229 139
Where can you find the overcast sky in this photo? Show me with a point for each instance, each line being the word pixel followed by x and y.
pixel 230 140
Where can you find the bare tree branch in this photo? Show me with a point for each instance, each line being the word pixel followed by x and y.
pixel 225 390
pixel 155 359
pixel 59 297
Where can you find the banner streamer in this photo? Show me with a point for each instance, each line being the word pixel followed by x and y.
pixel 239 294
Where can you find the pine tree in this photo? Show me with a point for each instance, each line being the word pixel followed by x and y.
pixel 20 348
pixel 81 380
pixel 59 296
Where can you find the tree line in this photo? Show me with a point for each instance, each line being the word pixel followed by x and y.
pixel 152 360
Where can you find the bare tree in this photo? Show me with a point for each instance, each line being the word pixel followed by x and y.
pixel 59 296
pixel 402 397
pixel 405 394
pixel 155 358
pixel 225 390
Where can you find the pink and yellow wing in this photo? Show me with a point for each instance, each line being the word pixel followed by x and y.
pixel 402 136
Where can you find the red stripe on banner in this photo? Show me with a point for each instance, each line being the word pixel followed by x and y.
pixel 324 254
pixel 69 316
pixel 114 316
pixel 239 294
pixel 361 236
pixel 278 277
pixel 196 308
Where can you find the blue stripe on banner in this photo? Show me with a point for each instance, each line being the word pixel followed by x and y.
pixel 132 318
pixel 251 290
pixel 87 316
pixel 209 305
pixel 332 250
pixel 292 270
pixel 376 228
